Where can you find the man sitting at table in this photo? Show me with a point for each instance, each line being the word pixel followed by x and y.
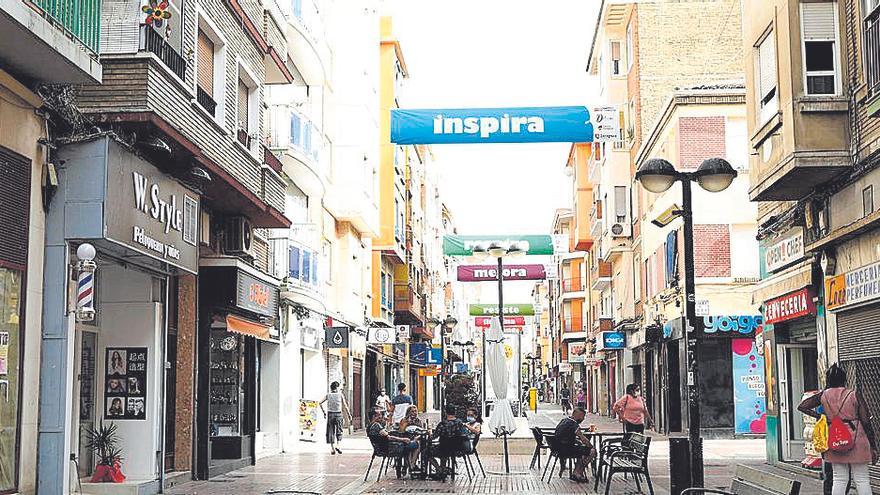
pixel 396 445
pixel 574 445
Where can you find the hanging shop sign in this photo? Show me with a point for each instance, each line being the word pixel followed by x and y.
pixel 853 287
pixel 576 351
pixel 308 419
pixel 381 335
pixel 463 245
pixel 125 383
pixel 509 321
pixel 790 306
pixel 462 368
pixel 569 124
pixel 402 332
pixel 489 273
pixel 150 212
pixel 611 341
pixel 565 367
pixel 749 405
pixel 429 371
pixel 606 124
pixel 435 355
pixel 256 295
pixel 336 337
pixel 509 309
pixel 786 251
pixel 418 353
pixel 744 324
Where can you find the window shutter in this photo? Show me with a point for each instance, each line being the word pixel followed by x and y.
pixel 615 50
pixel 767 64
pixel 620 201
pixel 818 20
pixel 242 105
pixel 206 64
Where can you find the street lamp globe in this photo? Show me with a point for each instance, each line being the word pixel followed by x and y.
pixel 450 322
pixel 497 249
pixel 433 323
pixel 715 174
pixel 86 252
pixel 480 252
pixel 656 175
pixel 517 249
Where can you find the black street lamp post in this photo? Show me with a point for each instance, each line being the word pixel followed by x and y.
pixel 714 175
pixel 445 326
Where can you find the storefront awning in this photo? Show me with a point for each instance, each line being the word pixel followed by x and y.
pixel 789 280
pixel 245 327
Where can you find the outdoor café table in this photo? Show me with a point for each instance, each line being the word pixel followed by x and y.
pixel 595 437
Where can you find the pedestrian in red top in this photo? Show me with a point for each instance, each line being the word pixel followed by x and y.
pixel 631 411
pixel 847 404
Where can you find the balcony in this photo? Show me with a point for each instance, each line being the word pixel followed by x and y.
pixel 408 307
pixel 153 42
pixel 597 225
pixel 604 323
pixel 303 148
pixel 601 276
pixel 306 41
pixel 276 60
pixel 872 52
pixel 301 280
pixel 573 288
pixel 51 41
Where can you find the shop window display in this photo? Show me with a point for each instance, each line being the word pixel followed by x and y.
pixel 227 379
pixel 10 335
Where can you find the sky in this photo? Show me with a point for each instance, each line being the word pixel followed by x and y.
pixel 493 53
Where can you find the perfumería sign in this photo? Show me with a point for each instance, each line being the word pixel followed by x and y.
pixel 853 287
pixel 149 211
pixel 489 273
pixel 509 321
pixel 256 295
pixel 610 341
pixel 463 245
pixel 509 309
pixel 790 306
pixel 569 124
pixel 785 251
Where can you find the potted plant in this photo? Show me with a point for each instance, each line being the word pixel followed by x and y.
pixel 104 442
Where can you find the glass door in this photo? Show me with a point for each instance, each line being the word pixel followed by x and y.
pixel 797 374
pixel 86 360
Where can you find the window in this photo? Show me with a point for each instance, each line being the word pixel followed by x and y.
pixel 295 262
pixel 165 39
pixel 210 69
pixel 765 77
pixel 867 201
pixel 171 29
pixel 616 62
pixel 247 110
pixel 620 201
pixel 384 294
pixel 870 6
pixel 630 48
pixel 818 23
pixel 190 219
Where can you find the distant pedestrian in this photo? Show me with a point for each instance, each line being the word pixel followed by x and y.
pixel 399 404
pixel 632 412
pixel 581 398
pixel 336 406
pixel 838 401
pixel 383 403
pixel 566 399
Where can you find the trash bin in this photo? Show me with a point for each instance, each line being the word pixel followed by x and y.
pixel 679 464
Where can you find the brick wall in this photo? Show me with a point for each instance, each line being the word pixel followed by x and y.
pixel 712 250
pixel 185 394
pixel 699 138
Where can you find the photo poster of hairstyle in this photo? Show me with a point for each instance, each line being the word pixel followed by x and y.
pixel 125 383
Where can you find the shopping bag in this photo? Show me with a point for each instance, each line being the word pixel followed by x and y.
pixel 820 435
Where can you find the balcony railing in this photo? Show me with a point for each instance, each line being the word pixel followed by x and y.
pixel 572 285
pixel 154 43
pixel 79 18
pixel 206 101
pixel 872 51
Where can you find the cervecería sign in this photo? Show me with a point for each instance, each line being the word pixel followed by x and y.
pixel 256 295
pixel 790 306
pixel 853 287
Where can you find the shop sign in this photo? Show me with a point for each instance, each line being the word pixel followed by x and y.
pixel 702 307
pixel 509 321
pixel 853 287
pixel 463 245
pixel 462 368
pixel 150 212
pixel 576 351
pixel 489 273
pixel 786 251
pixel 418 353
pixel 336 337
pixel 564 367
pixel 744 324
pixel 381 335
pixel 125 383
pixel 429 371
pixel 610 341
pixel 402 332
pixel 309 336
pixel 789 306
pixel 606 124
pixel 509 309
pixel 566 124
pixel 256 295
pixel 749 404
pixel 592 361
pixel 435 355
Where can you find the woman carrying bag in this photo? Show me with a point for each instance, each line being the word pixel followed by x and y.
pixel 632 412
pixel 851 443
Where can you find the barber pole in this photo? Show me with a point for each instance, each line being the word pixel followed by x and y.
pixel 85 296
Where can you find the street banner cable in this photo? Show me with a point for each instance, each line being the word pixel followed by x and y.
pixel 570 124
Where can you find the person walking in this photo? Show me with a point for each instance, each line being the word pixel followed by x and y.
pixel 383 403
pixel 581 398
pixel 838 401
pixel 566 400
pixel 336 406
pixel 399 404
pixel 632 412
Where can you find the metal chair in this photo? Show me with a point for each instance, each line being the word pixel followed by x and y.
pixel 632 458
pixel 540 446
pixel 381 450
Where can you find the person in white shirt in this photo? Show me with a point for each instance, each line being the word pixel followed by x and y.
pixel 383 402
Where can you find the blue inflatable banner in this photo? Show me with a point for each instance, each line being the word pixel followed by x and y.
pixel 492 125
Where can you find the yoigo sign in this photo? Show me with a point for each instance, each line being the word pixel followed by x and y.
pixel 611 341
pixel 492 125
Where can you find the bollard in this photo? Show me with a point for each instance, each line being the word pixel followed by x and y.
pixel 533 399
pixel 679 464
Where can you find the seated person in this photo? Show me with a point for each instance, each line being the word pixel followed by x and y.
pixel 453 433
pixel 411 419
pixel 474 424
pixel 574 445
pixel 394 445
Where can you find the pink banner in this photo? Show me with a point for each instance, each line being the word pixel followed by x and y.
pixel 509 321
pixel 489 273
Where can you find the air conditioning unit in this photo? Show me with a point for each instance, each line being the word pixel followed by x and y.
pixel 620 229
pixel 239 236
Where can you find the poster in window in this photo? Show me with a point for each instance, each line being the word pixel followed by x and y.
pixel 125 383
pixel 308 419
pixel 4 353
pixel 750 408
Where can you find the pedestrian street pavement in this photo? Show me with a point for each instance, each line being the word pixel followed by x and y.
pixel 313 470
